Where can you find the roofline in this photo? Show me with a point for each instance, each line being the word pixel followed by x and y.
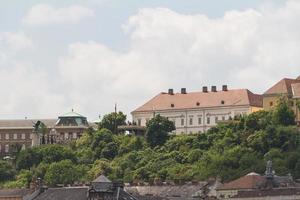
pixel 196 108
pixel 49 127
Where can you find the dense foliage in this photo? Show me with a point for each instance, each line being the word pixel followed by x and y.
pixel 229 150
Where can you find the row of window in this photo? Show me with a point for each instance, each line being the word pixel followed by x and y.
pixel 191 120
pixel 70 135
pixel 200 120
pixel 15 136
pixel 6 147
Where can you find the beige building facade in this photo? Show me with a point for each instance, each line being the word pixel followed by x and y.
pixel 196 112
pixel 286 87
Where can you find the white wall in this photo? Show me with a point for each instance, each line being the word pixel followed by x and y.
pixel 193 114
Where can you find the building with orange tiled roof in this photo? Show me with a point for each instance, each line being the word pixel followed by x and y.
pixel 286 87
pixel 257 187
pixel 194 112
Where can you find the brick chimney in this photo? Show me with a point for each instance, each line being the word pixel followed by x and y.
pixel 204 89
pixel 171 92
pixel 224 88
pixel 183 90
pixel 214 88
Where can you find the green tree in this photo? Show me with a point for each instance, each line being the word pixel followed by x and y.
pixel 283 113
pixel 6 171
pixel 112 121
pixel 158 129
pixel 62 172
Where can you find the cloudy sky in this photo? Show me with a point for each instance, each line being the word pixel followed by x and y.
pixel 88 54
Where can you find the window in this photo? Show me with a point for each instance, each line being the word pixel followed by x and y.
pixel 223 118
pixel 222 102
pixel 199 120
pixel 191 121
pixel 182 122
pixel 216 119
pixel 23 136
pixel 139 122
pixel 271 103
pixel 23 147
pixel 7 136
pixel 0 147
pixel 6 148
pixel 15 136
pixel 74 135
pixel 208 120
pixel 66 136
pixel 0 136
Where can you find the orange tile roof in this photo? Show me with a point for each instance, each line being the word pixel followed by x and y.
pixel 296 90
pixel 237 97
pixel 250 181
pixel 282 87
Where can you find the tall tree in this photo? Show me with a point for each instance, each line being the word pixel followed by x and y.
pixel 112 121
pixel 283 113
pixel 158 129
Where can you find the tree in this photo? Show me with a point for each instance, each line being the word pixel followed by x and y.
pixel 283 113
pixel 6 171
pixel 62 172
pixel 158 129
pixel 112 121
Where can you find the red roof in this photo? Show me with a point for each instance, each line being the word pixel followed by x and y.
pixel 238 97
pixel 282 87
pixel 250 181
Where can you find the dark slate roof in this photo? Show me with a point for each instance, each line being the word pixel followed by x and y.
pixel 14 192
pixel 167 191
pixel 72 193
pixel 76 193
pixel 101 179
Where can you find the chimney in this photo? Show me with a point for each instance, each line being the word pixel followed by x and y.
pixel 183 90
pixel 204 89
pixel 213 88
pixel 224 88
pixel 170 92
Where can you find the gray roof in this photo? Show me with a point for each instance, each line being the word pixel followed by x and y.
pixel 25 123
pixel 14 192
pixel 101 179
pixel 75 193
pixel 72 193
pixel 167 191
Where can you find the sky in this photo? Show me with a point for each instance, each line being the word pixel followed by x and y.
pixel 88 55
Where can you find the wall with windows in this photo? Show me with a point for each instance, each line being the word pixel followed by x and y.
pixel 188 121
pixel 11 138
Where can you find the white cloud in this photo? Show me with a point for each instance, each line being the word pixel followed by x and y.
pixel 26 90
pixel 251 48
pixel 14 41
pixel 244 49
pixel 45 14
